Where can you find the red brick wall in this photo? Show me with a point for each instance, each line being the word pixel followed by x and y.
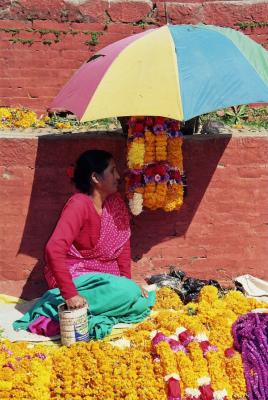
pixel 220 232
pixel 43 42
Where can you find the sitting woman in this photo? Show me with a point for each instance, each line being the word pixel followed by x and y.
pixel 88 255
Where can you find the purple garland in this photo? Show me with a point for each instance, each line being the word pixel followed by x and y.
pixel 250 334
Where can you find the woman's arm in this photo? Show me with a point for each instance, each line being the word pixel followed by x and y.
pixel 67 229
pixel 124 261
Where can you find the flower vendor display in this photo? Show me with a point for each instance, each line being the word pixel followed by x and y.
pixel 181 352
pixel 154 157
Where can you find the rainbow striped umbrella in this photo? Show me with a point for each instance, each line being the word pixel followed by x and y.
pixel 176 71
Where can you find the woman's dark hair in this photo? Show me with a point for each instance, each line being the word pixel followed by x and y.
pixel 89 162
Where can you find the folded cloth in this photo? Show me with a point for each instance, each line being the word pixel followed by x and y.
pixel 112 300
pixel 45 326
pixel 254 287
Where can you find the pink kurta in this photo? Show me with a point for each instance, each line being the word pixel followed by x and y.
pixel 83 241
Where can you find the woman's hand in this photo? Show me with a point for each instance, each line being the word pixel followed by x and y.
pixel 144 292
pixel 76 302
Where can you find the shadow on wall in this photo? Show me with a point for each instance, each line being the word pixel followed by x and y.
pixel 51 189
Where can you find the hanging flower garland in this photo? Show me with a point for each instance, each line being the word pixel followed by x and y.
pixel 155 164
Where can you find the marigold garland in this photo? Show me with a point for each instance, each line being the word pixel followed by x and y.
pixel 186 371
pixel 161 146
pixel 149 198
pixel 149 155
pixel 174 156
pixel 199 362
pixel 136 153
pixel 219 378
pixel 235 372
pixel 154 156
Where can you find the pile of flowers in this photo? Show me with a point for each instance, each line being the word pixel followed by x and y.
pixel 155 166
pixel 12 118
pixel 181 352
pixel 23 118
pixel 25 372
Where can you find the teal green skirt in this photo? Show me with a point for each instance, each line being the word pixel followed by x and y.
pixel 111 300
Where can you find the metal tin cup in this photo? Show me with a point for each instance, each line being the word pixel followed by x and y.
pixel 73 324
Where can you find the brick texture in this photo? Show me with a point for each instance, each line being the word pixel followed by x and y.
pixel 220 232
pixel 42 43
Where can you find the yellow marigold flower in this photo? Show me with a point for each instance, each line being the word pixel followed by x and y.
pixel 5 385
pixel 208 293
pixel 63 125
pixel 222 338
pixel 186 370
pixel 174 197
pixel 199 362
pixel 237 302
pixel 167 358
pixel 5 113
pixel 45 119
pixel 168 299
pixel 235 371
pixel 24 118
pixel 193 324
pixel 216 367
pixel 136 153
pixel 41 124
pixel 254 303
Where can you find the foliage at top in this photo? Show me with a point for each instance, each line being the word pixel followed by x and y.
pixel 240 116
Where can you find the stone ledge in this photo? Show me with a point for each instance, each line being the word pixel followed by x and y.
pixel 118 134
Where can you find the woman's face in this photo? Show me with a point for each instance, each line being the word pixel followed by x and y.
pixel 109 179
